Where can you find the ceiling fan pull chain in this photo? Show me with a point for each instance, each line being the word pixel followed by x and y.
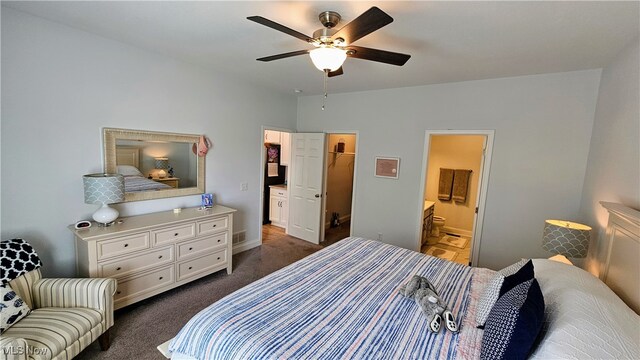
pixel 324 99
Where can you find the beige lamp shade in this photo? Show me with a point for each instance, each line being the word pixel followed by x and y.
pixel 566 238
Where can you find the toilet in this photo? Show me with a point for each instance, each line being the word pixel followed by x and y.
pixel 438 223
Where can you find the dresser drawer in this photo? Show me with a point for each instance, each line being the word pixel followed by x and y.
pixel 200 246
pixel 124 266
pixel 144 283
pixel 173 234
pixel 278 192
pixel 201 264
pixel 213 226
pixel 123 245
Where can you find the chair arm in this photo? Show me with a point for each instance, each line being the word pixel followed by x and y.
pixel 13 348
pixel 95 293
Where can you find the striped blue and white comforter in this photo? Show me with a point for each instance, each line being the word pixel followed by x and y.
pixel 340 302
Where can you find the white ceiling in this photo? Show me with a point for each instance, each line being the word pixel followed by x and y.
pixel 448 41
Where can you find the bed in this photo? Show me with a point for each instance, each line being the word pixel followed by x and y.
pixel 343 302
pixel 128 160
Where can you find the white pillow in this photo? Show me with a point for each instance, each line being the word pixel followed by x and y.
pixel 584 319
pixel 128 170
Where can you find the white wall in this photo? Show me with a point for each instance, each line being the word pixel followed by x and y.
pixel 542 129
pixel 455 152
pixel 61 86
pixel 613 168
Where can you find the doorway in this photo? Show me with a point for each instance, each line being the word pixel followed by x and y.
pixel 454 188
pixel 275 159
pixel 339 174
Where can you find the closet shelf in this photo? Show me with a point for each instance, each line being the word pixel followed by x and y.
pixel 345 153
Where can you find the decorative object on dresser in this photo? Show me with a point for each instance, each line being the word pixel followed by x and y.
pixel 566 239
pixel 162 164
pixel 149 254
pixel 60 317
pixel 104 189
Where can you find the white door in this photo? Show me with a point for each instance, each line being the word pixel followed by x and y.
pixel 305 186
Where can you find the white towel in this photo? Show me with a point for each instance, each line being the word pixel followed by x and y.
pixel 272 169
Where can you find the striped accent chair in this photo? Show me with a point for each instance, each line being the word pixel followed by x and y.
pixel 67 315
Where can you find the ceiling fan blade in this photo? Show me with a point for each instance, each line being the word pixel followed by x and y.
pixel 336 72
pixel 368 22
pixel 276 26
pixel 382 56
pixel 284 55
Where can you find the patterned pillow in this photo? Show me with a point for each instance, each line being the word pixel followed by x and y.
pixel 17 257
pixel 494 289
pixel 12 307
pixel 514 323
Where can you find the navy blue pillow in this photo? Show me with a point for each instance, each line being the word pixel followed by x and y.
pixel 514 323
pixel 524 274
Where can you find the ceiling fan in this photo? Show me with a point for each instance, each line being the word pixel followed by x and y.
pixel 332 46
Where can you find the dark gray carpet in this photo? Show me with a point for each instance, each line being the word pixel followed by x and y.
pixel 140 327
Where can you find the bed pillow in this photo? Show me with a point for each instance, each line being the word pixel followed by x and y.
pixel 495 287
pixel 514 323
pixel 584 318
pixel 12 307
pixel 128 170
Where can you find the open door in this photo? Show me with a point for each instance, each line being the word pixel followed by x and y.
pixel 305 186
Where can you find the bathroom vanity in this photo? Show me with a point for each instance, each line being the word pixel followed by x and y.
pixel 427 220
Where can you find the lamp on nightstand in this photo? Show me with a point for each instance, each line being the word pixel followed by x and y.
pixel 162 163
pixel 566 239
pixel 104 189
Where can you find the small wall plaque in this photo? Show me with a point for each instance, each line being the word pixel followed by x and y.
pixel 387 167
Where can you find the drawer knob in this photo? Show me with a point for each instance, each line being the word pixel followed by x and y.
pixel 214 225
pixel 160 257
pixel 118 268
pixel 160 278
pixel 176 234
pixel 218 240
pixel 190 248
pixel 126 245
pixel 218 257
pixel 118 292
pixel 190 267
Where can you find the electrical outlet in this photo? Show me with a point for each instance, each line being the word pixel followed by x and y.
pixel 379 236
pixel 244 186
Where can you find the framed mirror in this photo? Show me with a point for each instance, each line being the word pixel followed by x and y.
pixel 155 165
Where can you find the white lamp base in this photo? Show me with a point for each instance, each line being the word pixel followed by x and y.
pixel 105 214
pixel 561 258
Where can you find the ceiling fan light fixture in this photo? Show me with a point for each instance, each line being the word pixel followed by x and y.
pixel 328 58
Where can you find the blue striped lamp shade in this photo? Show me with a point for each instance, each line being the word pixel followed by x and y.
pixel 566 238
pixel 162 163
pixel 103 188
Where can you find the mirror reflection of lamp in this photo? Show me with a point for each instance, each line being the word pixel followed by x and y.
pixel 162 163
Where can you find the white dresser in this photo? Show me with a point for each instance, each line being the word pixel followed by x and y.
pixel 152 253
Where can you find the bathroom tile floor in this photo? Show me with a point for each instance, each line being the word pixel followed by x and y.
pixel 462 255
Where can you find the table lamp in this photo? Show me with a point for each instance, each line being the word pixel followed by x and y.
pixel 162 163
pixel 566 239
pixel 104 189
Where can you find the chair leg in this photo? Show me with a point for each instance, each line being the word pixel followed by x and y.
pixel 104 341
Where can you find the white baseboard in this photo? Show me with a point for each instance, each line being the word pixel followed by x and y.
pixel 461 232
pixel 245 245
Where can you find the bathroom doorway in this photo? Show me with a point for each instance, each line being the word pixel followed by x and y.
pixel 454 187
pixel 340 170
